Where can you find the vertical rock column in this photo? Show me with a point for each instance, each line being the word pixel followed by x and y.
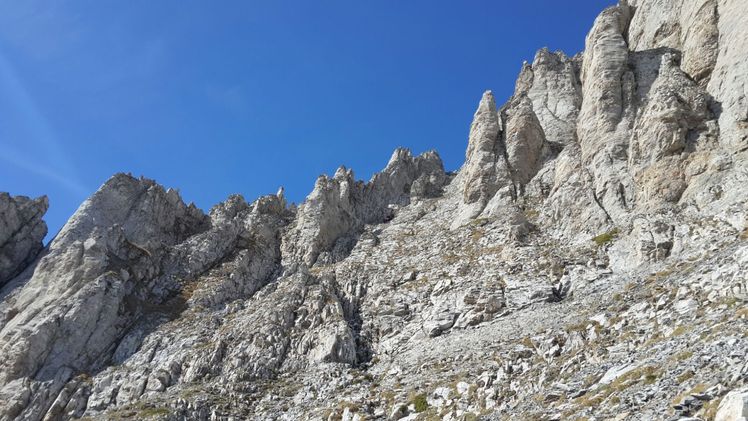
pixel 605 115
pixel 485 171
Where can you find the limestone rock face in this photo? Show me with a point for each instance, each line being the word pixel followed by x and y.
pixel 338 207
pixel 602 76
pixel 734 406
pixel 589 260
pixel 525 140
pixel 711 36
pixel 674 122
pixel 687 26
pixel 606 112
pixel 21 233
pixel 730 74
pixel 555 93
pixel 485 171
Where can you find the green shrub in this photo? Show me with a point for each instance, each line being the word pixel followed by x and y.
pixel 419 402
pixel 606 238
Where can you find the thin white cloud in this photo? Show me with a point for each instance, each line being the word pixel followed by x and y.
pixel 42 153
pixel 42 170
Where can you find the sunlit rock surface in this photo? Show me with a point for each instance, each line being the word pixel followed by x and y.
pixel 588 261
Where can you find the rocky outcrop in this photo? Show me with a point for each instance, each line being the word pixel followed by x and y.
pixel 337 209
pixel 525 140
pixel 729 74
pixel 674 122
pixel 21 233
pixel 89 286
pixel 712 39
pixel 506 149
pixel 589 260
pixel 555 93
pixel 734 406
pixel 687 26
pixel 607 110
pixel 624 129
pixel 486 170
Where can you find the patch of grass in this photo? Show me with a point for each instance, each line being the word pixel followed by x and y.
pixel 589 400
pixel 606 237
pixel 583 327
pixel 698 388
pixel 85 377
pixel 450 258
pixel 527 342
pixel 153 412
pixel 419 402
pixel 685 376
pixel 477 234
pixel 655 338
pixel 188 290
pixel 659 275
pixel 710 408
pixel 646 375
pixel 683 355
pixel 479 222
pixel 680 331
pixel 725 302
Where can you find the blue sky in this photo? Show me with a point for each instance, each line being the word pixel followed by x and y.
pixel 215 98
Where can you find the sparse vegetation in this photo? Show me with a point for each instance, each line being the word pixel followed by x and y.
pixel 153 412
pixel 710 408
pixel 685 376
pixel 698 388
pixel 606 237
pixel 531 213
pixel 680 331
pixel 419 402
pixel 477 234
pixel 645 375
pixel 683 355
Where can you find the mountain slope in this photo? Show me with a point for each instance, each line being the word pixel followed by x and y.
pixel 588 261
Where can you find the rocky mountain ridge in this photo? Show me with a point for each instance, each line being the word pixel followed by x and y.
pixel 588 261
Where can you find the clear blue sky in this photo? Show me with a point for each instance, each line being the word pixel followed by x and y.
pixel 224 97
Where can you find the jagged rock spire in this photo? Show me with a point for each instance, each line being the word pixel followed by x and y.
pixel 338 207
pixel 597 169
pixel 485 170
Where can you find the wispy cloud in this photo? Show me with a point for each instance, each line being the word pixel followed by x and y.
pixel 45 171
pixel 43 155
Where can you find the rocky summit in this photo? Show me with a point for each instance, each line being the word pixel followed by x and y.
pixel 589 261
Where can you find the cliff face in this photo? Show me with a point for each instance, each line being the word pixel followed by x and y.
pixel 21 233
pixel 588 260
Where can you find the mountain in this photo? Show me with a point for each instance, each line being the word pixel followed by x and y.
pixel 589 261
